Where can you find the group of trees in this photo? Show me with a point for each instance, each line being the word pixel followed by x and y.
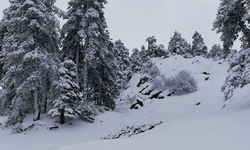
pixel 65 72
pixel 177 46
pixel 233 20
pixel 61 72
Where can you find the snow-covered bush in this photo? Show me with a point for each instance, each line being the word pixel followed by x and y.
pixel 156 78
pixel 159 83
pixel 181 83
pixel 151 69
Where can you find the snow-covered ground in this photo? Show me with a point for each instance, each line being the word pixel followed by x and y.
pixel 185 125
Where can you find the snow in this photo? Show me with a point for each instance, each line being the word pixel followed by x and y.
pixel 185 126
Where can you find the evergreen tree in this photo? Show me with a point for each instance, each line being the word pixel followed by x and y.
pixel 143 54
pixel 123 62
pixel 136 60
pixel 3 30
pixel 69 100
pixel 153 49
pixel 216 52
pixel 69 103
pixel 86 42
pixel 30 58
pixel 233 18
pixel 238 74
pixel 122 55
pixel 178 45
pixel 198 46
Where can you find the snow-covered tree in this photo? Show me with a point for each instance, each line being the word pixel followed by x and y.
pixel 136 60
pixel 30 57
pixel 233 18
pixel 69 104
pixel 153 49
pixel 123 62
pixel 216 52
pixel 70 96
pixel 2 32
pixel 198 46
pixel 231 55
pixel 143 54
pixel 121 55
pixel 238 74
pixel 86 42
pixel 178 45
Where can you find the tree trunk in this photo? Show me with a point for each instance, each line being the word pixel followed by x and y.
pixel 36 103
pixel 85 65
pixel 77 61
pixel 20 114
pixel 85 80
pixel 100 85
pixel 62 118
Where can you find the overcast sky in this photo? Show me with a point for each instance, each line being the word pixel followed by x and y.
pixel 133 21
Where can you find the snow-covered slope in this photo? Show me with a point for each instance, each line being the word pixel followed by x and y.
pixel 185 125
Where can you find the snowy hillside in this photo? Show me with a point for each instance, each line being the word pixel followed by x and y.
pixel 185 125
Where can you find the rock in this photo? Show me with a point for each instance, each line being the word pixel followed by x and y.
pixel 131 130
pixel 197 103
pixel 156 95
pixel 137 104
pixel 142 81
pixel 161 97
pixel 149 92
pixel 143 89
pixel 170 94
pixel 53 127
pixel 205 73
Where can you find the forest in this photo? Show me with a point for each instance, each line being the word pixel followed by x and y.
pixel 77 71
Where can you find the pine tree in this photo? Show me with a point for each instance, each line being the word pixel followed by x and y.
pixel 216 52
pixel 231 55
pixel 122 55
pixel 178 45
pixel 123 62
pixel 143 54
pixel 198 46
pixel 153 49
pixel 86 41
pixel 69 103
pixel 3 30
pixel 30 58
pixel 69 100
pixel 231 19
pixel 238 74
pixel 136 60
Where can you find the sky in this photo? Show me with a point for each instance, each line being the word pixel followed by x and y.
pixel 133 21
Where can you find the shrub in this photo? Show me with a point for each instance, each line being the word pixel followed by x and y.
pixel 151 69
pixel 181 83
